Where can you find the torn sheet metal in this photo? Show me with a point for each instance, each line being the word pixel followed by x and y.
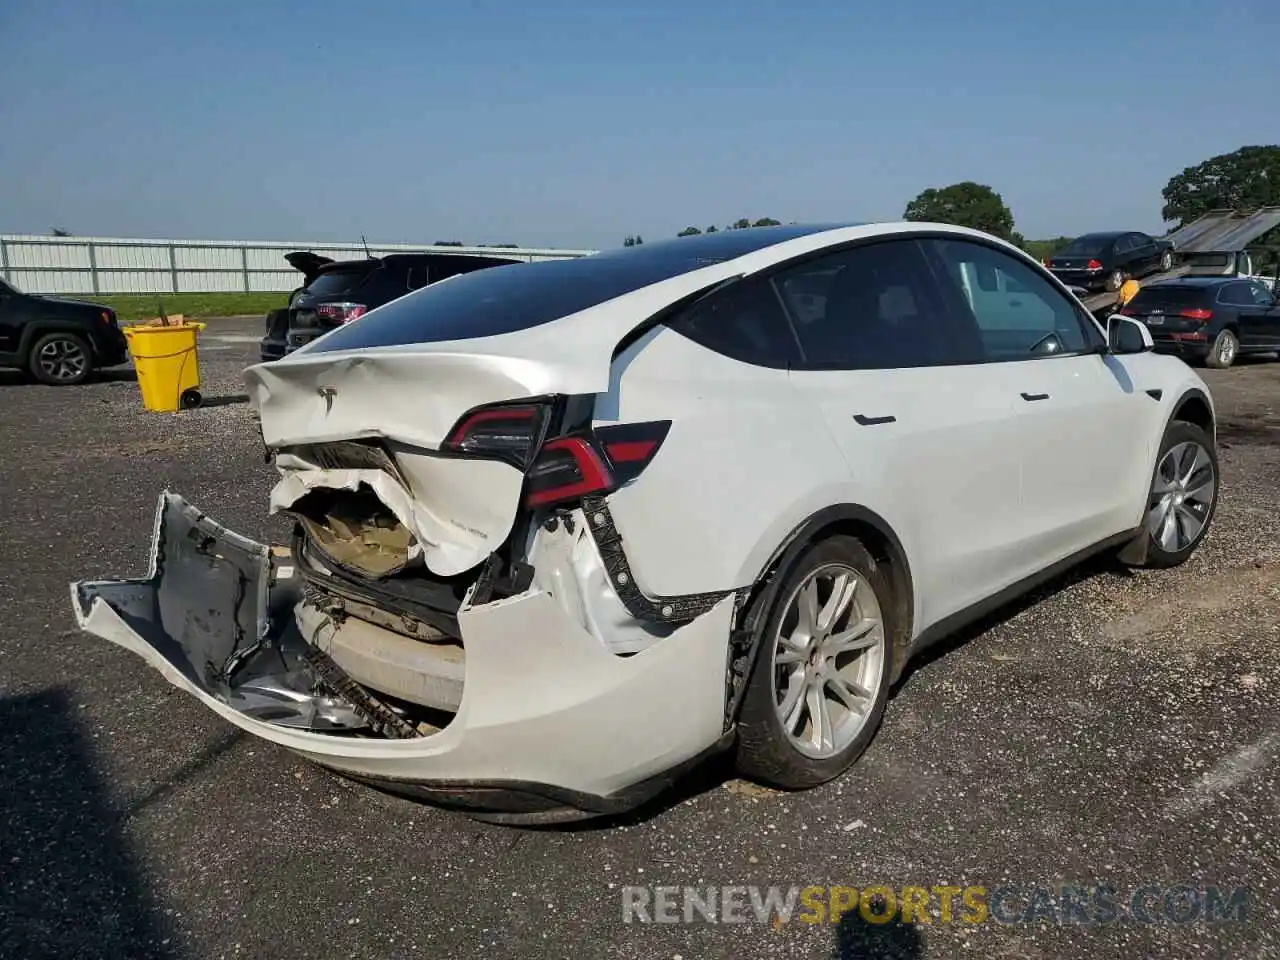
pixel 543 701
pixel 568 566
pixel 215 616
pixel 459 512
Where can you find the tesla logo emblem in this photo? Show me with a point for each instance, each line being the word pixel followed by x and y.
pixel 328 393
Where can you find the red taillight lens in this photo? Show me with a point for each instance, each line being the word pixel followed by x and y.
pixel 341 312
pixel 508 432
pixel 1046 262
pixel 1197 314
pixel 563 468
pixel 1093 265
pixel 569 468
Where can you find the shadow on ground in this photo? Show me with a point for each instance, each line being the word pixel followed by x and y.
pixel 861 939
pixel 69 884
pixel 225 401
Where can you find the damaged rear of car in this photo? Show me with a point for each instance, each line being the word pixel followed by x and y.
pixel 458 616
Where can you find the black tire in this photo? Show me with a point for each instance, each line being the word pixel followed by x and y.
pixel 1180 432
pixel 1166 261
pixel 765 753
pixel 190 399
pixel 1115 280
pixel 1225 349
pixel 60 359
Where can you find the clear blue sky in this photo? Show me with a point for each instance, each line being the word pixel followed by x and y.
pixel 576 123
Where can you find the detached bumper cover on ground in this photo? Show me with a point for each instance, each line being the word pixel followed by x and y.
pixel 550 725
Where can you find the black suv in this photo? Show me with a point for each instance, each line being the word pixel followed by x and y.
pixel 59 342
pixel 1209 320
pixel 334 293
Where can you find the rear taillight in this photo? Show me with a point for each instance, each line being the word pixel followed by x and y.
pixel 1093 265
pixel 341 312
pixel 1046 262
pixel 1198 314
pixel 597 462
pixel 1125 312
pixel 567 468
pixel 561 469
pixel 510 432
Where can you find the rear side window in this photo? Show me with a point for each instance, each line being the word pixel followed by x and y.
pixel 1236 294
pixel 872 307
pixel 336 283
pixel 745 322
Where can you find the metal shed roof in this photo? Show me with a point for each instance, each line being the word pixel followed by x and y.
pixel 1224 231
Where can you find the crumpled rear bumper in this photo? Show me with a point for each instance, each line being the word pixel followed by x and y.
pixel 551 725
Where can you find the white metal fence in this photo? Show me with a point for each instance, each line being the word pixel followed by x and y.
pixel 39 264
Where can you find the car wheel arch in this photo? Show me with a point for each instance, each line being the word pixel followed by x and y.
pixel 1194 407
pixel 33 331
pixel 849 519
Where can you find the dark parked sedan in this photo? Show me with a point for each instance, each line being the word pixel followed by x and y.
pixel 1209 320
pixel 1098 260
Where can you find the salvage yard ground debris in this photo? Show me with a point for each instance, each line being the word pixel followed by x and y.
pixel 1116 728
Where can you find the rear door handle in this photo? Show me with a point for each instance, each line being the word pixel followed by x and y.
pixel 872 421
pixel 1035 396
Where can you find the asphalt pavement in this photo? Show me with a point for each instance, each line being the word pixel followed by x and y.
pixel 1119 730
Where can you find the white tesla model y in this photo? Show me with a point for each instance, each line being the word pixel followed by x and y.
pixel 564 529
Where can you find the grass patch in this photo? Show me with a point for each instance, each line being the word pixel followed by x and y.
pixel 132 307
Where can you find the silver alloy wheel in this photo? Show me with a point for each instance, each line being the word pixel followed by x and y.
pixel 1226 349
pixel 62 360
pixel 828 659
pixel 1166 262
pixel 1181 496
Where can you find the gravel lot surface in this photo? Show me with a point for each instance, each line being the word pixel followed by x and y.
pixel 1118 728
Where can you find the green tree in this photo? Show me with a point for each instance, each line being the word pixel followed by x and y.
pixel 741 224
pixel 965 204
pixel 689 232
pixel 633 241
pixel 1247 178
pixel 711 229
pixel 767 222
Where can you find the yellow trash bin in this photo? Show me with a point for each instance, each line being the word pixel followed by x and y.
pixel 168 365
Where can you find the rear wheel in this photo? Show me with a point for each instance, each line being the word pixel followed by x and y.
pixel 60 359
pixel 1115 280
pixel 1224 351
pixel 1166 261
pixel 1183 495
pixel 821 677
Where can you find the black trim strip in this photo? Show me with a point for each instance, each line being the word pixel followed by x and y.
pixel 1155 394
pixel 866 421
pixel 673 609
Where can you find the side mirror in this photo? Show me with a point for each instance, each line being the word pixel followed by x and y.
pixel 1126 335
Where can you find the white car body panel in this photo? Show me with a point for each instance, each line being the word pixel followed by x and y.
pixel 563 683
